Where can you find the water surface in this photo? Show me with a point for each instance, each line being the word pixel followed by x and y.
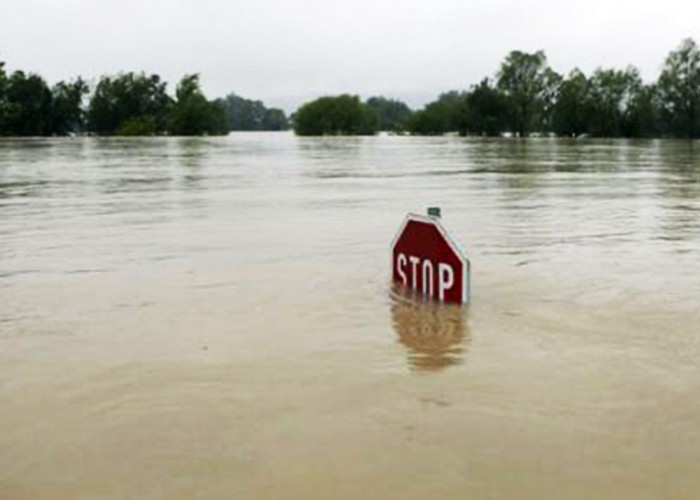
pixel 212 318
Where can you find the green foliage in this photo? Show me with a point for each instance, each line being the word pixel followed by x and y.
pixel 446 114
pixel 26 107
pixel 118 99
pixel 393 114
pixel 245 114
pixel 527 97
pixel 481 111
pixel 123 104
pixel 275 119
pixel 572 111
pixel 192 113
pixel 455 111
pixel 643 114
pixel 29 108
pixel 137 126
pixel 611 93
pixel 611 103
pixel 137 104
pixel 433 119
pixel 486 109
pixel 68 115
pixel 3 80
pixel 530 87
pixel 336 115
pixel 679 91
pixel 4 106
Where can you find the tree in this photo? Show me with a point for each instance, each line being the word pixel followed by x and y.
pixel 454 107
pixel 192 113
pixel 486 110
pixel 611 95
pixel 26 110
pixel 68 115
pixel 529 86
pixel 392 113
pixel 572 112
pixel 243 114
pixel 246 114
pixel 120 99
pixel 29 108
pixel 275 119
pixel 643 114
pixel 446 114
pixel 679 90
pixel 433 119
pixel 336 115
pixel 4 107
pixel 3 80
pixel 137 126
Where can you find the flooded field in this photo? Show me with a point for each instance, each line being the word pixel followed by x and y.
pixel 212 318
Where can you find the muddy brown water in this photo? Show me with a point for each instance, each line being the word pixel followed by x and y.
pixel 212 318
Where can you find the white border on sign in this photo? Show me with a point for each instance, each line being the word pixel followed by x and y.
pixel 466 277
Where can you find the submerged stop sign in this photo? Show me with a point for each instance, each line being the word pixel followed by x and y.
pixel 425 259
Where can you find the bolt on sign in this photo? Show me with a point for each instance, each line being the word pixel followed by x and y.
pixel 425 259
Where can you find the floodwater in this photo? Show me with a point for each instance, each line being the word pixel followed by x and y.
pixel 212 318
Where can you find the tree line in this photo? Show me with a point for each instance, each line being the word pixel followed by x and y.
pixel 527 97
pixel 125 104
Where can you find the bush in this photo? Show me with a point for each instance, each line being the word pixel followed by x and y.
pixel 339 115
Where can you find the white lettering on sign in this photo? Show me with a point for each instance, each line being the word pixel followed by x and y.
pixel 446 275
pixel 427 278
pixel 447 279
pixel 400 264
pixel 414 270
pixel 426 260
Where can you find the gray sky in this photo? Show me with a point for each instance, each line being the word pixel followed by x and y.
pixel 287 51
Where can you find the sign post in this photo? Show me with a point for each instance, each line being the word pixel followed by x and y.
pixel 425 259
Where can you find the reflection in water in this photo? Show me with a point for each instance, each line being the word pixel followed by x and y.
pixel 332 157
pixel 433 333
pixel 114 254
pixel 192 153
pixel 21 189
pixel 680 190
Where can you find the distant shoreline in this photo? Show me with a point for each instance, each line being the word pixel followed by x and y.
pixel 526 97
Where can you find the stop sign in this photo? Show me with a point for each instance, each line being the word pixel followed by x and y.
pixel 425 259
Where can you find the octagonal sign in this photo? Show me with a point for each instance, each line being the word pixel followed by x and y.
pixel 425 259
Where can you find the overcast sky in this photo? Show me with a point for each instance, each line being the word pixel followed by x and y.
pixel 287 51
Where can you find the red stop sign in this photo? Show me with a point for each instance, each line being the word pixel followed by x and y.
pixel 424 258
